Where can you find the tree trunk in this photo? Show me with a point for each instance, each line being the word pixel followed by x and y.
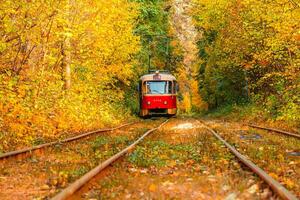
pixel 67 48
pixel 67 65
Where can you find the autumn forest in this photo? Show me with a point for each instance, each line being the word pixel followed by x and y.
pixel 71 66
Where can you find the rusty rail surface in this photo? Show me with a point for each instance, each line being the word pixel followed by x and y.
pixel 31 149
pixel 275 130
pixel 71 189
pixel 276 186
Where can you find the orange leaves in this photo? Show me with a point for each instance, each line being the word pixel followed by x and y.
pixel 152 188
pixel 297 37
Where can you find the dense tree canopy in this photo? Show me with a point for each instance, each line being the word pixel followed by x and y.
pixel 67 65
pixel 45 44
pixel 250 48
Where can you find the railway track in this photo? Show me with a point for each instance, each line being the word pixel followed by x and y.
pixel 56 164
pixel 280 190
pixel 275 185
pixel 84 181
pixel 78 137
pixel 67 192
pixel 275 130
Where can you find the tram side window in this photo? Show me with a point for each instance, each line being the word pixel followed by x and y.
pixel 169 87
pixel 159 87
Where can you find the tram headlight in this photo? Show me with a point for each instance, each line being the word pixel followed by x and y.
pixel 165 102
pixel 148 102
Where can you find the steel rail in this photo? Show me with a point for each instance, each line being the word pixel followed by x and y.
pixel 30 149
pixel 275 185
pixel 275 130
pixel 71 189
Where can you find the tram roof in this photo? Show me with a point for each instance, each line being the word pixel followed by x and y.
pixel 162 76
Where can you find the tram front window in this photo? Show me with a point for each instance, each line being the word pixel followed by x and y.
pixel 159 87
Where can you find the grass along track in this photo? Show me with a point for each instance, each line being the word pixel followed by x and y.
pixel 42 175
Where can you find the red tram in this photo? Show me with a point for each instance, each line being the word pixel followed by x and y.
pixel 158 94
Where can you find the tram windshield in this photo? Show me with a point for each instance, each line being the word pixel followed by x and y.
pixel 159 87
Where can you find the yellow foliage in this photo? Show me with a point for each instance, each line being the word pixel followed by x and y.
pixel 190 93
pixel 250 48
pixel 197 101
pixel 289 183
pixel 183 81
pixel 186 105
pixel 36 38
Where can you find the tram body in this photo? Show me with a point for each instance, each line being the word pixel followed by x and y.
pixel 158 94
